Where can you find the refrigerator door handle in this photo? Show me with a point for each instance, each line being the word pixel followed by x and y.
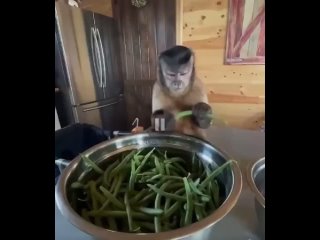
pixel 97 55
pixel 101 51
pixel 99 107
pixel 92 41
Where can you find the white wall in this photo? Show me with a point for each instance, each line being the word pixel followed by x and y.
pixel 56 120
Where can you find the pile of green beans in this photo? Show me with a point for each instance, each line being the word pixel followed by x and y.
pixel 147 191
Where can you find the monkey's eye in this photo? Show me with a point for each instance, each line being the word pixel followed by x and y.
pixel 182 74
pixel 171 74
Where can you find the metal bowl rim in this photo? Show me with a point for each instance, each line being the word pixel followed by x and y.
pixel 93 230
pixel 250 172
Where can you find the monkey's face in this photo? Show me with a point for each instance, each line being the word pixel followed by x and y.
pixel 178 79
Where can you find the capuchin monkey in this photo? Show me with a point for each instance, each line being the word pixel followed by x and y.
pixel 178 89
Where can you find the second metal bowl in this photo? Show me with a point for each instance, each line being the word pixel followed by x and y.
pixel 256 180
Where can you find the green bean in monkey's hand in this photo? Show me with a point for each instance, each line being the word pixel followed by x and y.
pixel 148 191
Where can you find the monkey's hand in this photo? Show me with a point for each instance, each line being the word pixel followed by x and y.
pixel 162 121
pixel 202 115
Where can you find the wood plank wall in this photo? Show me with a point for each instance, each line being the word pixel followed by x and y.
pixel 143 33
pixel 235 92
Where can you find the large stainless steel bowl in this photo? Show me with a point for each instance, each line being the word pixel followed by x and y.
pixel 102 153
pixel 256 179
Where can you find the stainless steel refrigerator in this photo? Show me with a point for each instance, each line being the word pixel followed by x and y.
pixel 90 49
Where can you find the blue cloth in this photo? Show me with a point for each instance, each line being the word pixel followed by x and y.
pixel 75 139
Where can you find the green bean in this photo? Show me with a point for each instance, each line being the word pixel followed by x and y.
pixel 199 204
pixel 113 184
pixel 106 174
pixel 157 206
pixel 166 194
pixel 168 200
pixel 99 180
pixel 174 160
pixel 189 210
pixel 157 224
pixel 166 177
pixel 138 196
pixel 175 185
pixel 215 193
pixel 176 173
pixel 119 214
pixel 205 198
pixel 196 182
pixel 158 165
pixel 145 159
pixel 167 204
pixel 172 210
pixel 100 198
pixel 194 189
pixel 211 202
pixel 167 170
pixel 145 173
pixel 77 185
pixel 104 205
pixel 136 229
pixel 114 201
pixel 83 175
pixel 137 159
pixel 115 189
pixel 214 174
pixel 154 177
pixel 180 191
pixel 194 165
pixel 174 170
pixel 177 166
pixel 92 186
pixel 91 164
pixel 132 176
pixel 93 195
pixel 118 184
pixel 128 209
pixel 161 154
pixel 148 197
pixel 122 163
pixel 151 211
